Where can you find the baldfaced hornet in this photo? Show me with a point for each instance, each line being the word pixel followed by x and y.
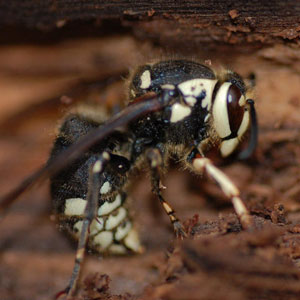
pixel 176 108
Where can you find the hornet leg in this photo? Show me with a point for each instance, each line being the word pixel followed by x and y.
pixel 90 213
pixel 155 162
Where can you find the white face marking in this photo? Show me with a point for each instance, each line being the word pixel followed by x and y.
pixel 122 231
pixel 190 100
pixel 132 242
pixel 75 207
pixel 191 89
pixel 228 146
pixel 145 80
pixel 209 86
pixel 105 188
pixel 244 125
pixel 117 249
pixel 179 112
pixel 220 113
pixel 103 239
pixel 114 221
pixel 108 207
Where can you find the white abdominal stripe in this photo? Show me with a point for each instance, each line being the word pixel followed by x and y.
pixel 111 231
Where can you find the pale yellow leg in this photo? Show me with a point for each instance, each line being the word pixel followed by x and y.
pixel 227 186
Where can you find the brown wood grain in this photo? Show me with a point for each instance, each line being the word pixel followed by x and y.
pixel 235 22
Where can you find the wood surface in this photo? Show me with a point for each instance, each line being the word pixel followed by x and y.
pixel 189 22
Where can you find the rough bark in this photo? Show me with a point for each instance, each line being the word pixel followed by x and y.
pixel 190 22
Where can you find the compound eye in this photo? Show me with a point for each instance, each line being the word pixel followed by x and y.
pixel 235 107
